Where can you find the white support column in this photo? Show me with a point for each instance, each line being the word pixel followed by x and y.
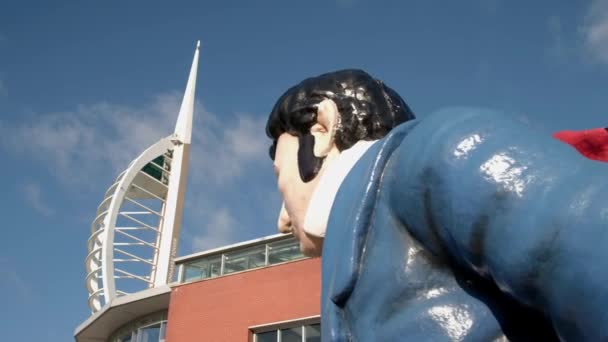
pixel 172 218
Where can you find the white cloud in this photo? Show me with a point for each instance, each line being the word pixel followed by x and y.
pixel 91 141
pixel 523 118
pixel 222 229
pixel 12 282
pixel 84 149
pixel 32 194
pixel 595 31
pixel 103 138
pixel 221 149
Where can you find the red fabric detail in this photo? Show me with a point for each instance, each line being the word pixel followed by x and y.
pixel 592 143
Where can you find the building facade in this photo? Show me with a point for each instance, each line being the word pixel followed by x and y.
pixel 260 290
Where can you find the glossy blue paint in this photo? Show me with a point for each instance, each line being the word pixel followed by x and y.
pixel 468 226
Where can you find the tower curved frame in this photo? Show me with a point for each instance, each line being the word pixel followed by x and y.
pixel 132 184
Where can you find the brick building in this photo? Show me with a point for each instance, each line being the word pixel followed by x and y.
pixel 260 290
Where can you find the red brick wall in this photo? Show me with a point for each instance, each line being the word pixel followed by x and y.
pixel 222 309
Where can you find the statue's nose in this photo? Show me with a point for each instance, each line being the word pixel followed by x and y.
pixel 284 222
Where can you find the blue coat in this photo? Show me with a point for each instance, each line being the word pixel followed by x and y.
pixel 468 227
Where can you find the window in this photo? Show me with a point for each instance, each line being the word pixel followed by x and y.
pixel 313 333
pixel 283 250
pixel 290 332
pixel 150 328
pixel 203 269
pixel 240 259
pixel 269 336
pixel 154 168
pixel 150 333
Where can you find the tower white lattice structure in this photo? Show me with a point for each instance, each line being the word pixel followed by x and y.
pixel 134 236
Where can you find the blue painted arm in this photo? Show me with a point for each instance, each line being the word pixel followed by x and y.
pixel 513 206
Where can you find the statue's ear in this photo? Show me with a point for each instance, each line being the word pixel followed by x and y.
pixel 325 129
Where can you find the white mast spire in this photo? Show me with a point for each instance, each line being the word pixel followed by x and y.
pixel 183 127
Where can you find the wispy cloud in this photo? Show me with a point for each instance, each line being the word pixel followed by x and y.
pixel 595 31
pixel 103 138
pixel 96 142
pixel 224 147
pixel 92 140
pixel 32 194
pixel 12 282
pixel 223 229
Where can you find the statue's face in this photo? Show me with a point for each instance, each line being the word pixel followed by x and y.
pixel 296 194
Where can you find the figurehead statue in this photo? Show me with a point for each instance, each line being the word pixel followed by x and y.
pixel 321 117
pixel 462 226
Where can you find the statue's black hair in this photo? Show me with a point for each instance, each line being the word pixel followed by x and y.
pixel 368 111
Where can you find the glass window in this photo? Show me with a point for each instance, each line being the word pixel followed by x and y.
pixel 291 334
pixel 313 333
pixel 192 272
pixel 149 334
pixel 284 250
pixel 245 259
pixel 163 331
pixel 150 328
pixel 153 170
pixel 202 269
pixel 269 336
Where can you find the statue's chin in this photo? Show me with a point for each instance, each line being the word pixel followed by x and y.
pixel 313 247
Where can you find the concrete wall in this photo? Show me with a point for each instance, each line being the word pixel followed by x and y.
pixel 222 309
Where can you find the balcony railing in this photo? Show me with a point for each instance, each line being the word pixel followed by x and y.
pixel 242 257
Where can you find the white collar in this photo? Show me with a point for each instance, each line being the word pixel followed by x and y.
pixel 319 207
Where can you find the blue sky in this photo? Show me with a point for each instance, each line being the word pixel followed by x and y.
pixel 85 86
